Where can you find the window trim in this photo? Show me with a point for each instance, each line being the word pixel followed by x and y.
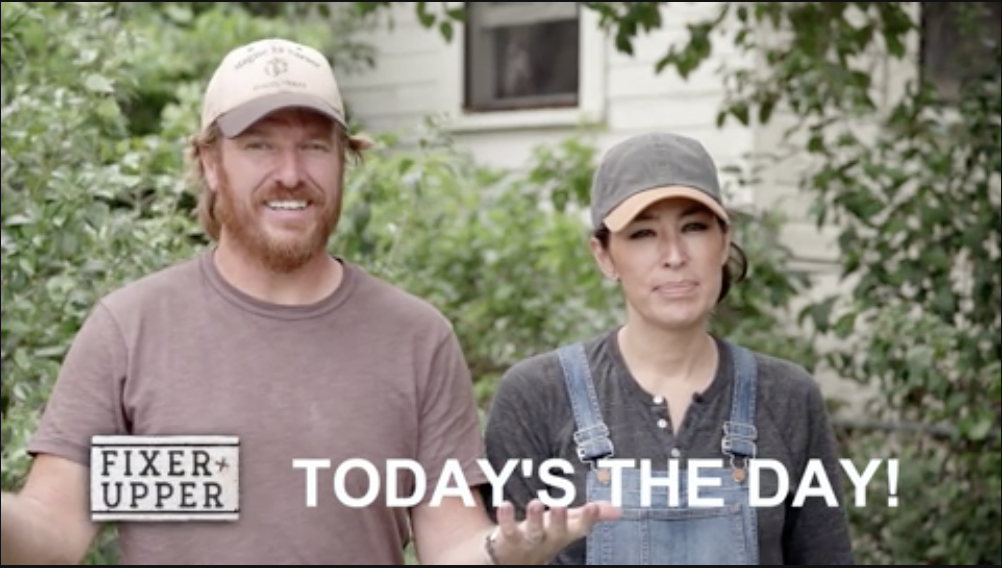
pixel 497 16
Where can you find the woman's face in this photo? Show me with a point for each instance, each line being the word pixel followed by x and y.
pixel 669 263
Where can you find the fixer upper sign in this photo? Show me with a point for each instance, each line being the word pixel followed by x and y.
pixel 165 478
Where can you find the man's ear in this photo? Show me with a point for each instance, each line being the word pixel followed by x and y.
pixel 602 259
pixel 210 166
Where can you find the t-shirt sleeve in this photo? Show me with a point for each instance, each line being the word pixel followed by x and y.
pixel 817 532
pixel 517 430
pixel 86 398
pixel 449 426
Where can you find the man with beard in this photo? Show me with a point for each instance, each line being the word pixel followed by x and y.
pixel 298 353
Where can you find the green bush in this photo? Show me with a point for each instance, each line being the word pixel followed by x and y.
pixel 97 101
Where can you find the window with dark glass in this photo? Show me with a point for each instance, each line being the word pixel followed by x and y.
pixel 521 55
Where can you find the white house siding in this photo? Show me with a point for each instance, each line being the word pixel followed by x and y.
pixel 418 74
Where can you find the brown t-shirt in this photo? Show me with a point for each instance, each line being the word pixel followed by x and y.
pixel 370 372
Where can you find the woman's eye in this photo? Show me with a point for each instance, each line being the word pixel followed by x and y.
pixel 641 233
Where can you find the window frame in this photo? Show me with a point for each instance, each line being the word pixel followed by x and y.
pixel 477 47
pixel 947 88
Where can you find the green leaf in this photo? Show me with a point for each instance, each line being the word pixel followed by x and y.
pixel 98 84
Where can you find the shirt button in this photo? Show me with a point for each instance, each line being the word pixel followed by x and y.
pixel 658 399
pixel 662 423
pixel 675 453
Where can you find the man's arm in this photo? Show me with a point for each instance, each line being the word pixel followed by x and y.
pixel 451 533
pixel 47 522
pixel 454 533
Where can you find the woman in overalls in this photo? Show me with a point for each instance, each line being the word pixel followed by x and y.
pixel 660 416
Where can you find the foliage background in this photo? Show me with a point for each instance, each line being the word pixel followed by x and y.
pixel 98 98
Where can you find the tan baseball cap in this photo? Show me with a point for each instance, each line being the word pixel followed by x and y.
pixel 261 77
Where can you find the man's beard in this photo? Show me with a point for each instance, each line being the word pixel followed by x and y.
pixel 241 221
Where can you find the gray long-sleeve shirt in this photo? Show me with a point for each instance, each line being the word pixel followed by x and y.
pixel 530 418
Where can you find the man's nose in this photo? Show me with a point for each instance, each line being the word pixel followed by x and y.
pixel 289 168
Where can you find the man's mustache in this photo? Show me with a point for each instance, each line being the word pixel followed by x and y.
pixel 302 192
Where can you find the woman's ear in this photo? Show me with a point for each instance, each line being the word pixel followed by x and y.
pixel 602 259
pixel 726 253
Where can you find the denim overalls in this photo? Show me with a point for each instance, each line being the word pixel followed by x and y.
pixel 661 531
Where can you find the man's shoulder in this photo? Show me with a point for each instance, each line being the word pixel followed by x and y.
pixel 385 299
pixel 179 278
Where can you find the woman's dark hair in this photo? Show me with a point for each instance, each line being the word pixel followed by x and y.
pixel 734 271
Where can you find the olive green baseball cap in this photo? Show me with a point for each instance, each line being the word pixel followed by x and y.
pixel 650 167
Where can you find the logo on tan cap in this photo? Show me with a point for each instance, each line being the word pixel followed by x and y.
pixel 267 75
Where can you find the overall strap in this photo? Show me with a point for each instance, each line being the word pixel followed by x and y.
pixel 739 431
pixel 592 434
